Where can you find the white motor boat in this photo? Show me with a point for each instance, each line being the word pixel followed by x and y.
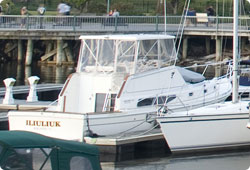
pixel 221 125
pixel 94 99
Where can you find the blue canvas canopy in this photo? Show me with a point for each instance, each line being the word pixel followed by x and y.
pixel 23 150
pixel 190 76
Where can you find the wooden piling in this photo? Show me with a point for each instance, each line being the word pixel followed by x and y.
pixel 208 45
pixel 218 49
pixel 59 52
pixel 218 58
pixel 49 47
pixel 184 49
pixel 20 50
pixel 29 52
pixel 69 54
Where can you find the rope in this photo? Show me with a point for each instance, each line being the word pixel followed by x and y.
pixel 124 132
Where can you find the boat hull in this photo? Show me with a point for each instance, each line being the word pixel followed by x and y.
pixel 200 130
pixel 75 126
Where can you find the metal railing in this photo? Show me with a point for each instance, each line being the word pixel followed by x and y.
pixel 122 23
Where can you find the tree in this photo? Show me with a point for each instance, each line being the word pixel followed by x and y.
pixel 7 6
pixel 78 4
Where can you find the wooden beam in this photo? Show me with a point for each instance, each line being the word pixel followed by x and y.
pixel 51 53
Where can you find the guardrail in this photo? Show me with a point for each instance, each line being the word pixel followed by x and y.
pixel 104 23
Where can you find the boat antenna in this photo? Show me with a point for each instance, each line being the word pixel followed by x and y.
pixel 165 16
pixel 235 52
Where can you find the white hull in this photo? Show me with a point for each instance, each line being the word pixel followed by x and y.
pixel 72 126
pixel 211 127
pixel 150 89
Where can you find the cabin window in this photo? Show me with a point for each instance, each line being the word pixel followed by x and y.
pixel 1 149
pixel 205 91
pixel 170 98
pixel 80 163
pixel 162 99
pixel 191 94
pixel 145 102
pixel 28 158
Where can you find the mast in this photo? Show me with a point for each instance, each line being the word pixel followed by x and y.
pixel 235 52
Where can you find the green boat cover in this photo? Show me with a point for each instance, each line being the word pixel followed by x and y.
pixel 22 150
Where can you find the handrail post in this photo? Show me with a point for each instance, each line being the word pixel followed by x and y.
pixel 74 23
pixel 116 18
pixel 217 22
pixel 157 23
pixel 27 22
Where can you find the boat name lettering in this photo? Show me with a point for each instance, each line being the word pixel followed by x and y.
pixel 43 123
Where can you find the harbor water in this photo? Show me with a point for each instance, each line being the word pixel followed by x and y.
pixel 46 73
pixel 222 161
pixel 237 160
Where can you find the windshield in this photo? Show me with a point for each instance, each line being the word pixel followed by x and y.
pixel 123 56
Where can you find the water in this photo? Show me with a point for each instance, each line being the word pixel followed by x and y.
pixel 223 161
pixel 46 73
pixel 52 74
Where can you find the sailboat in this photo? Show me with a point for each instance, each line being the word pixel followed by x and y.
pixel 217 126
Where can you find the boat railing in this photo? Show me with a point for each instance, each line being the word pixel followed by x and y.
pixel 109 103
pixel 215 64
pixel 164 108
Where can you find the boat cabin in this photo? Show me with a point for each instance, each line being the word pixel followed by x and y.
pixel 104 61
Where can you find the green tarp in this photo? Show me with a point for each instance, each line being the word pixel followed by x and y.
pixel 22 150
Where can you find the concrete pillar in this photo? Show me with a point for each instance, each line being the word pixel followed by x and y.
pixel 59 55
pixel 29 52
pixel 184 48
pixel 19 51
pixel 208 46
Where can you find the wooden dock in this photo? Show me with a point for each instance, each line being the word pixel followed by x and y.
pixel 131 146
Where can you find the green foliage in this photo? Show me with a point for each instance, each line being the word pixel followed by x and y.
pixel 124 8
pixel 129 7
pixel 7 6
pixel 98 8
pixel 78 4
